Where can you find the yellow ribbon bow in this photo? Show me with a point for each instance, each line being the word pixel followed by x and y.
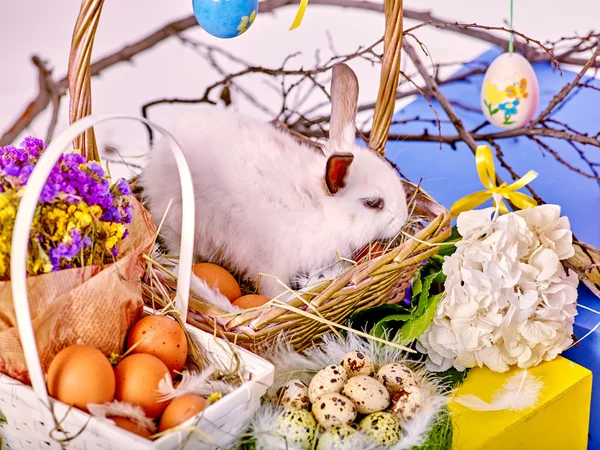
pixel 487 175
pixel 299 14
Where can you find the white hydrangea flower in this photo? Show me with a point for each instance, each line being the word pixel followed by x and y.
pixel 508 301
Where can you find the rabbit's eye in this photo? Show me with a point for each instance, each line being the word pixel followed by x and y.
pixel 374 202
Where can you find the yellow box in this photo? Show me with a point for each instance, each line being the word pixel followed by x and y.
pixel 560 420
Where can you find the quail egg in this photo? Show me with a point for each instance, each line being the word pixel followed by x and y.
pixel 407 402
pixel 357 363
pixel 341 437
pixel 333 409
pixel 367 394
pixel 330 379
pixel 382 427
pixel 396 376
pixel 297 426
pixel 294 393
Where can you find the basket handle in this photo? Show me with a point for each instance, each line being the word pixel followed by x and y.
pixel 22 230
pixel 390 74
pixel 80 77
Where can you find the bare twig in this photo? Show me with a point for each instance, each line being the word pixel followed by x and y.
pixel 565 90
pixel 561 160
pixel 584 278
pixel 467 28
pixel 48 90
pixel 435 92
pixel 127 53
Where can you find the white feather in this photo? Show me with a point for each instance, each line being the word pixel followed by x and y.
pixel 305 282
pixel 521 391
pixel 212 296
pixel 158 255
pixel 263 431
pixel 121 409
pixel 192 382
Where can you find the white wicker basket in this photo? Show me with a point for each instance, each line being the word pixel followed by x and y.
pixel 30 423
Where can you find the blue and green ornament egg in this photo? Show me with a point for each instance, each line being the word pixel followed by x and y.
pixel 225 19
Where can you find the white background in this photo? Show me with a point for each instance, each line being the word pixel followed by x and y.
pixel 170 69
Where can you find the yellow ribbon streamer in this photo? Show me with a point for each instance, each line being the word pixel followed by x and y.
pixel 299 14
pixel 487 175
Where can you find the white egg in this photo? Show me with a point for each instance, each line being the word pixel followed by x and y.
pixel 367 394
pixel 357 363
pixel 330 379
pixel 396 376
pixel 293 393
pixel 333 409
pixel 407 402
pixel 510 93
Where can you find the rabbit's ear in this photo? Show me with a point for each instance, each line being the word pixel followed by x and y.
pixel 336 171
pixel 344 103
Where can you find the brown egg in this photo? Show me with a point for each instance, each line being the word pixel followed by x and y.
pixel 250 301
pixel 373 250
pixel 181 409
pixel 79 375
pixel 137 378
pixel 130 425
pixel 162 337
pixel 217 277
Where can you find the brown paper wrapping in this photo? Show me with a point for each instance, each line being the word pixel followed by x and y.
pixel 89 305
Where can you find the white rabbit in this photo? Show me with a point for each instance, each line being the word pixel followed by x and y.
pixel 266 204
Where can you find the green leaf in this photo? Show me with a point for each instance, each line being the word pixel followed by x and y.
pixel 425 294
pixel 417 325
pixel 385 325
pixel 447 250
pixel 2 418
pixel 494 111
pixel 367 318
pixel 417 284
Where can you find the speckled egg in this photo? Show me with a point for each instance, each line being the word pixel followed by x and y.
pixel 333 409
pixel 298 426
pixel 407 402
pixel 510 92
pixel 367 394
pixel 225 18
pixel 382 427
pixel 330 379
pixel 294 393
pixel 340 437
pixel 396 376
pixel 357 363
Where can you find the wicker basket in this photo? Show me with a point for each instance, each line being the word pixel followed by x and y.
pixel 372 283
pixel 30 423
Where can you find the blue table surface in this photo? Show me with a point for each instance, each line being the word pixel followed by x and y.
pixel 448 174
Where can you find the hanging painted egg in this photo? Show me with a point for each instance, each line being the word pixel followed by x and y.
pixel 510 93
pixel 225 18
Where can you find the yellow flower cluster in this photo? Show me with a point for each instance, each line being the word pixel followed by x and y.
pixel 8 212
pixel 54 224
pixel 114 231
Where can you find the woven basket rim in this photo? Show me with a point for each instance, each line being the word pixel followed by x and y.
pixel 438 227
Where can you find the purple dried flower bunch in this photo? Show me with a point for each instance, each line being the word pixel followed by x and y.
pixel 80 218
